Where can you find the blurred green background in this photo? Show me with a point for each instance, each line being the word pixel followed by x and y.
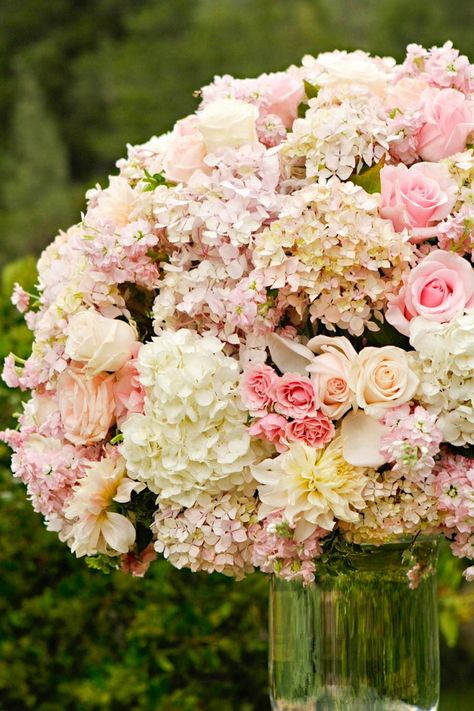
pixel 78 80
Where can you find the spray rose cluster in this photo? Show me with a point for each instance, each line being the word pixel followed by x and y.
pixel 259 337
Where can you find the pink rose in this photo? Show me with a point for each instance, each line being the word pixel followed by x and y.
pixel 86 405
pixel 439 288
pixel 256 387
pixel 315 431
pixel 449 119
pixel 286 93
pixel 185 152
pixel 272 428
pixel 417 198
pixel 295 396
pixel 330 373
pixel 128 391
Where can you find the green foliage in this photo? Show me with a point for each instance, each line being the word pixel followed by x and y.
pixel 369 178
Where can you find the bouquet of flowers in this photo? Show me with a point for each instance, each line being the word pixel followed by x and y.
pixel 259 338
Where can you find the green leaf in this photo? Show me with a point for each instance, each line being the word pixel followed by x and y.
pixel 369 178
pixel 302 109
pixel 104 563
pixel 311 90
pixel 153 181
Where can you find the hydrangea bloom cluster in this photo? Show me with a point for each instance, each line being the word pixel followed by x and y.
pixel 257 343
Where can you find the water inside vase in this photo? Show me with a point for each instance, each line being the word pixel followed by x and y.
pixel 358 637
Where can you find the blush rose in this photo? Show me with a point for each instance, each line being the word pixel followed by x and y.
pixel 439 288
pixel 448 122
pixel 417 197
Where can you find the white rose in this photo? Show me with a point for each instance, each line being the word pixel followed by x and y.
pixel 228 123
pixel 102 344
pixel 383 379
pixel 344 67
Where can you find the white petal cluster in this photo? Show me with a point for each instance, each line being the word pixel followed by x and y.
pixel 341 132
pixel 192 437
pixel 444 361
pixel 313 487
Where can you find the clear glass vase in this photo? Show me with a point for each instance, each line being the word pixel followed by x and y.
pixel 363 636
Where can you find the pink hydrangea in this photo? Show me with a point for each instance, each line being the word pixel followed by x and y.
pixel 276 551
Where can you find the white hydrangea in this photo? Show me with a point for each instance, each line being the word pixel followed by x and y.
pixel 192 437
pixel 342 131
pixel 444 362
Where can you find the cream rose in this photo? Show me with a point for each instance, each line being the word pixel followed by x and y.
pixel 335 68
pixel 383 379
pixel 102 344
pixel 86 405
pixel 228 123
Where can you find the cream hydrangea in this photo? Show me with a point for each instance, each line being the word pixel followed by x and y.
pixel 342 131
pixel 94 528
pixel 444 362
pixel 312 487
pixel 339 256
pixel 192 436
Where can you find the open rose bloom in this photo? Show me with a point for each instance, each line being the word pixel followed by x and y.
pixel 259 337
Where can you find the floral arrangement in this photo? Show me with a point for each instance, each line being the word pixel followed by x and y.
pixel 259 339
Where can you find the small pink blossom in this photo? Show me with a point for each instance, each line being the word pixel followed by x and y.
pixel 256 388
pixel 315 431
pixel 20 299
pixel 10 374
pixel 294 396
pixel 271 427
pixel 137 565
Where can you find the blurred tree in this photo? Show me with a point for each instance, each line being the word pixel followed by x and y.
pixel 35 195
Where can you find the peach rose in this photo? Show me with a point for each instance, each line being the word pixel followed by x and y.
pixel 228 123
pixel 383 379
pixel 330 373
pixel 185 152
pixel 294 396
pixel 86 405
pixel 417 197
pixel 439 288
pixel 449 119
pixel 102 344
pixel 286 93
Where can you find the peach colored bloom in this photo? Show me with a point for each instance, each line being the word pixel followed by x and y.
pixel 86 405
pixel 383 379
